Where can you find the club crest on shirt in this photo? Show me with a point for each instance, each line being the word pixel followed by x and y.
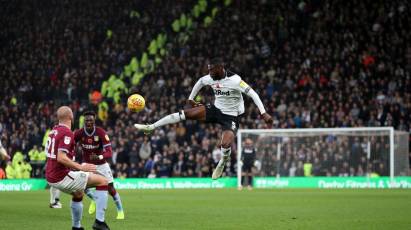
pixel 67 140
pixel 96 138
pixel 106 136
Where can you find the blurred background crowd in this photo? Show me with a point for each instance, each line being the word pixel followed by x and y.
pixel 313 63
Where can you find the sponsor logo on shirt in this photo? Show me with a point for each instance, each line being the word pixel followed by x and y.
pixel 89 146
pixel 220 92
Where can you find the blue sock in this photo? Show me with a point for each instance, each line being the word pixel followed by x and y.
pixel 76 213
pixel 90 193
pixel 117 201
pixel 101 204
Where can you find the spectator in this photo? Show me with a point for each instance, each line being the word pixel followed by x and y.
pixel 145 149
pixel 2 171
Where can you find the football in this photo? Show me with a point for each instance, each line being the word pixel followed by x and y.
pixel 136 103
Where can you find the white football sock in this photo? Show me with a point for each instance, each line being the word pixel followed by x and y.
pixel 170 119
pixel 226 152
pixel 54 194
pixel 76 213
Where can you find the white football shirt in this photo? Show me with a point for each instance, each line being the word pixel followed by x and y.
pixel 227 92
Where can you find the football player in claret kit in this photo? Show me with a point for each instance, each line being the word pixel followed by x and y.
pixel 96 149
pixel 228 105
pixel 70 177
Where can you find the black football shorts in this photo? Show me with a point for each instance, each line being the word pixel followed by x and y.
pixel 227 122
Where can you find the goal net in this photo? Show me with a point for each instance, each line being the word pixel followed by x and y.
pixel 326 152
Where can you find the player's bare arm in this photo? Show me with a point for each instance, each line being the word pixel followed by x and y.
pixel 3 153
pixel 245 88
pixel 267 118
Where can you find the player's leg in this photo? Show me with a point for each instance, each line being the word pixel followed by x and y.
pixel 250 179
pixel 55 198
pixel 90 193
pixel 195 113
pixel 77 210
pixel 101 184
pixel 105 170
pixel 95 180
pixel 242 180
pixel 244 174
pixel 117 200
pixel 226 141
pixel 74 183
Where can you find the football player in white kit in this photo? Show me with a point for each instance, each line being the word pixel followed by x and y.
pixel 228 105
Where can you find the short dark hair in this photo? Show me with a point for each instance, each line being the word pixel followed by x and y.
pixel 89 113
pixel 216 61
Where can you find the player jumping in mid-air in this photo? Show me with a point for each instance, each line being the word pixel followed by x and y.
pixel 96 147
pixel 228 105
pixel 60 153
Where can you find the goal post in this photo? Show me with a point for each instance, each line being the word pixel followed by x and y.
pixel 326 152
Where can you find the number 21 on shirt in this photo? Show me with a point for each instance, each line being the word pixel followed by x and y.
pixel 50 147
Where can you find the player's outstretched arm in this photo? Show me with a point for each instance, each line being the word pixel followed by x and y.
pixel 245 88
pixel 197 87
pixel 63 159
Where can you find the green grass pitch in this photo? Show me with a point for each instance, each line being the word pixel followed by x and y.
pixel 222 209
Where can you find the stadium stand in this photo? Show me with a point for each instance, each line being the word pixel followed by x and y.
pixel 314 64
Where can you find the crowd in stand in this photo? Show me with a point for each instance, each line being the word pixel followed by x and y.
pixel 60 51
pixel 313 63
pixel 325 155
